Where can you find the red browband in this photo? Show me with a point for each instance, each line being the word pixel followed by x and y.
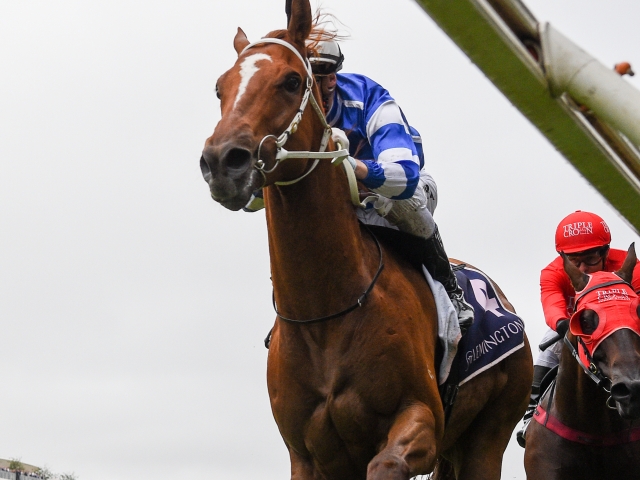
pixel 552 423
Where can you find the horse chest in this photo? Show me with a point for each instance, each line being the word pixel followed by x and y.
pixel 335 405
pixel 343 421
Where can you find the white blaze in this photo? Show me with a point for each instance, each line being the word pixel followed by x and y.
pixel 248 70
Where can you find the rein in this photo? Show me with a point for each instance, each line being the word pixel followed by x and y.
pixel 358 303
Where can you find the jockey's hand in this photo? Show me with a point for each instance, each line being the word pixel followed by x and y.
pixel 338 136
pixel 364 194
pixel 562 326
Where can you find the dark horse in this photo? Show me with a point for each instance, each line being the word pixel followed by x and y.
pixel 588 425
pixel 352 383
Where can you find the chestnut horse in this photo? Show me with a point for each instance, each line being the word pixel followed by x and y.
pixel 351 375
pixel 587 426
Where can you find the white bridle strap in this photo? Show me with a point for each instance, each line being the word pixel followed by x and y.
pixel 283 154
pixel 307 64
pixel 293 126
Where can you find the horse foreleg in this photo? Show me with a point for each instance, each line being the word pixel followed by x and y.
pixel 410 448
pixel 301 468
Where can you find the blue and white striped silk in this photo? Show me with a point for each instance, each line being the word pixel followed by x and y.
pixel 379 135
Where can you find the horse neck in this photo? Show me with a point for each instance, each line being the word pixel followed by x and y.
pixel 316 248
pixel 580 403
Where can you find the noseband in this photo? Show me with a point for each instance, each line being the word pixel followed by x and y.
pixel 282 154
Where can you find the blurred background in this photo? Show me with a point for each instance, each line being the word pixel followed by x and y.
pixel 133 307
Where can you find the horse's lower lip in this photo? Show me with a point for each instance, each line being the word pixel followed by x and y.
pixel 232 204
pixel 628 413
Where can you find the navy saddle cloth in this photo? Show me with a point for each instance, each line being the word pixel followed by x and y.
pixel 496 331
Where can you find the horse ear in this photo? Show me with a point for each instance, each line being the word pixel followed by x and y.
pixel 626 271
pixel 578 279
pixel 240 41
pixel 299 20
pixel 287 10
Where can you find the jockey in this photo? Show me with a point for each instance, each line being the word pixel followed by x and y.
pixel 584 237
pixel 386 155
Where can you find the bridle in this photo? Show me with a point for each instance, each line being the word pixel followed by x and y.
pixel 307 97
pixel 337 157
pixel 546 419
pixel 594 373
pixel 592 369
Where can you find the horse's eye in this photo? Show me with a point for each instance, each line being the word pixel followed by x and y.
pixel 217 92
pixel 589 321
pixel 292 84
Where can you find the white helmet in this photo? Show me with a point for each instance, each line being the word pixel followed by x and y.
pixel 328 58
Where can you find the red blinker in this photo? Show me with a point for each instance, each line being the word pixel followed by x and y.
pixel 616 305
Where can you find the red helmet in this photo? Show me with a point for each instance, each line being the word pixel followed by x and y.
pixel 581 231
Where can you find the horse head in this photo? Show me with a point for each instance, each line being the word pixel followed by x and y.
pixel 262 98
pixel 607 325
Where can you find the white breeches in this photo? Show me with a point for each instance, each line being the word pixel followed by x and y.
pixel 551 356
pixel 413 215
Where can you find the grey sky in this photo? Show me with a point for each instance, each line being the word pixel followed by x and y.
pixel 133 307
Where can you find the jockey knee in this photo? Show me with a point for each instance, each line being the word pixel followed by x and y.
pixel 428 185
pixel 551 356
pixel 412 215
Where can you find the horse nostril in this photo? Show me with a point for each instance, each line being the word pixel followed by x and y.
pixel 620 390
pixel 204 168
pixel 237 159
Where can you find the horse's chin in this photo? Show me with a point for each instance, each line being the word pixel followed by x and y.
pixel 628 411
pixel 234 194
pixel 234 204
pixel 234 201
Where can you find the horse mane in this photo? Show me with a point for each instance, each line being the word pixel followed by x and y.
pixel 324 28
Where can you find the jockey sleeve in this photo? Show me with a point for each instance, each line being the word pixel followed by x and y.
pixel 379 135
pixel 557 293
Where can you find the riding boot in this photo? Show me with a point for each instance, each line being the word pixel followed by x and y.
pixel 437 263
pixel 539 373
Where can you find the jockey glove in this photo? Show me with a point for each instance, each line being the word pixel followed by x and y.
pixel 562 326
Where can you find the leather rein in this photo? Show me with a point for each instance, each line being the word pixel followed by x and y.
pixel 336 157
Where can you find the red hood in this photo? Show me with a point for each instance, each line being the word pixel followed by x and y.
pixel 616 304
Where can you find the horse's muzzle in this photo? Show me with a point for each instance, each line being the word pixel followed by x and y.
pixel 228 171
pixel 626 394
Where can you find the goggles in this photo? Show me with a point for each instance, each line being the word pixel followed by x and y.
pixel 589 258
pixel 322 69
